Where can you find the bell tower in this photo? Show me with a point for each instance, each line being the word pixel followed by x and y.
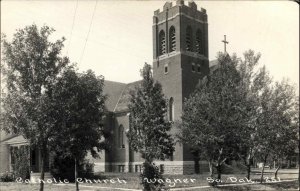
pixel 180 56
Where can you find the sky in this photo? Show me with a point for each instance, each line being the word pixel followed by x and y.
pixel 114 38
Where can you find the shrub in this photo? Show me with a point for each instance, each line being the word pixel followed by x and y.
pixel 63 168
pixel 21 160
pixel 7 177
pixel 155 179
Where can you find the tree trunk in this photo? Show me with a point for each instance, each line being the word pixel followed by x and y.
pixel 76 175
pixel 43 154
pixel 196 165
pixel 219 171
pixel 289 164
pixel 248 163
pixel 262 170
pixel 248 170
pixel 211 173
pixel 276 171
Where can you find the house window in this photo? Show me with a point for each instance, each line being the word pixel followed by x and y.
pixel 166 69
pixel 199 42
pixel 171 109
pixel 121 137
pixel 189 43
pixel 193 67
pixel 172 39
pixel 162 43
pixel 138 168
pixel 162 168
pixel 121 168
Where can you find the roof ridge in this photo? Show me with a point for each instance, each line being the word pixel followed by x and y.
pixel 114 82
pixel 120 98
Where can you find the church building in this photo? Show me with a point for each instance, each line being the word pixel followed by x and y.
pixel 180 60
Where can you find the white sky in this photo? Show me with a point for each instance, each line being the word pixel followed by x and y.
pixel 120 38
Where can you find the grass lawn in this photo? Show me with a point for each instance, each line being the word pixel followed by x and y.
pixel 177 182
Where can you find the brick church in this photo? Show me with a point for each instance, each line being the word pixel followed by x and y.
pixel 180 60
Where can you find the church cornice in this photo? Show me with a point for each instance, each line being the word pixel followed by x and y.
pixel 175 53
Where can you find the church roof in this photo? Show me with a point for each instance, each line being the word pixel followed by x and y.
pixel 118 94
pixel 113 90
pixel 213 65
pixel 124 100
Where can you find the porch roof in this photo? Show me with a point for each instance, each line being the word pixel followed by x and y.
pixel 16 140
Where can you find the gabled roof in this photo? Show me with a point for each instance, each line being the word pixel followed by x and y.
pixel 113 90
pixel 124 100
pixel 118 96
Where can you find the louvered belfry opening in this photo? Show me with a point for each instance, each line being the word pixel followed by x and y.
pixel 162 43
pixel 172 39
pixel 199 45
pixel 189 38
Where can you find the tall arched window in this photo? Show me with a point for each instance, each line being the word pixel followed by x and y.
pixel 172 39
pixel 121 137
pixel 189 39
pixel 193 67
pixel 171 109
pixel 199 42
pixel 162 43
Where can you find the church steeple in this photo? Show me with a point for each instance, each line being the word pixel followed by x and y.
pixel 180 51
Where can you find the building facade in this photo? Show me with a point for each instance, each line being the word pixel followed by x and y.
pixel 180 60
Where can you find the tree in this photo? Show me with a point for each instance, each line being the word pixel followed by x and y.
pixel 149 131
pixel 213 115
pixel 278 122
pixel 252 83
pixel 79 103
pixel 33 65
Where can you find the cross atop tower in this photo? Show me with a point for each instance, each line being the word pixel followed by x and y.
pixel 225 42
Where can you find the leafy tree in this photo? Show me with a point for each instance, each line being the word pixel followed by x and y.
pixel 79 103
pixel 287 117
pixel 33 64
pixel 252 83
pixel 278 122
pixel 149 132
pixel 214 115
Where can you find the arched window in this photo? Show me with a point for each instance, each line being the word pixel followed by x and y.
pixel 162 43
pixel 171 109
pixel 166 68
pixel 199 42
pixel 198 68
pixel 121 136
pixel 193 67
pixel 189 38
pixel 172 39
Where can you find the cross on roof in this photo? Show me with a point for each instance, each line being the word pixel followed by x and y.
pixel 225 42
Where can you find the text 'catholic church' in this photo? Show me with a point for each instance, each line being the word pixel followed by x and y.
pixel 180 60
